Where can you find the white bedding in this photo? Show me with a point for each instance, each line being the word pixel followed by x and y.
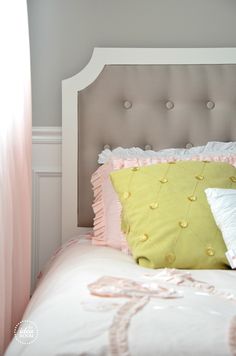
pixel 71 321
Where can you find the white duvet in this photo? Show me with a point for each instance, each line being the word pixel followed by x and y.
pixel 161 312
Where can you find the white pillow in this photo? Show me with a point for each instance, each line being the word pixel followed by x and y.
pixel 223 206
pixel 211 148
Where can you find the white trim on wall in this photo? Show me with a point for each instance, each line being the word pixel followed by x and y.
pixel 46 195
pixel 37 174
pixel 47 135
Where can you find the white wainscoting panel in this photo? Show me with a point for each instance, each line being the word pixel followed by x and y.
pixel 46 204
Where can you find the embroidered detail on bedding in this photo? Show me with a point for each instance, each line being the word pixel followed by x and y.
pixel 232 336
pixel 182 278
pixel 140 293
pixel 109 286
pixel 178 277
pixel 118 335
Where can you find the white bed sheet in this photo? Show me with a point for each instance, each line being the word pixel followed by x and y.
pixel 71 321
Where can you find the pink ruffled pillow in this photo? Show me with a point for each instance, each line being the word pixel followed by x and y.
pixel 106 205
pixel 107 209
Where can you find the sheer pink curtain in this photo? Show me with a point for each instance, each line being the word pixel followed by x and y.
pixel 15 166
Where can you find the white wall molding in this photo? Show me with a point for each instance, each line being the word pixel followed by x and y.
pixel 46 195
pixel 46 135
pixel 37 174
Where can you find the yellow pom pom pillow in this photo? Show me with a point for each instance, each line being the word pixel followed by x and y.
pixel 166 216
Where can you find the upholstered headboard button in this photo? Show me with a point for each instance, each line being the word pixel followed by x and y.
pixel 148 147
pixel 210 105
pixel 188 145
pixel 127 104
pixel 169 105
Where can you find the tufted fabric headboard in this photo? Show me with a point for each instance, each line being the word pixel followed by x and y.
pixel 155 106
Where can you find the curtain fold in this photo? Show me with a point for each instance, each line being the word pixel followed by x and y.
pixel 15 166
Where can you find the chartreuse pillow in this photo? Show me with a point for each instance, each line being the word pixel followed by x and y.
pixel 166 217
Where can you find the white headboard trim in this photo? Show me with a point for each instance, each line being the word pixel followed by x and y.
pixel 108 56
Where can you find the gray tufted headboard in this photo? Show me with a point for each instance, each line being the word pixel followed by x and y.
pixel 160 106
pixel 154 105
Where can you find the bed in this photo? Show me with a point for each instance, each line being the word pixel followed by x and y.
pixel 93 299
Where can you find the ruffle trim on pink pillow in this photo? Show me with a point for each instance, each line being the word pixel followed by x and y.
pixel 119 163
pixel 107 210
pixel 98 237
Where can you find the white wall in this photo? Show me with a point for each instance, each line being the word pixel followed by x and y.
pixel 64 32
